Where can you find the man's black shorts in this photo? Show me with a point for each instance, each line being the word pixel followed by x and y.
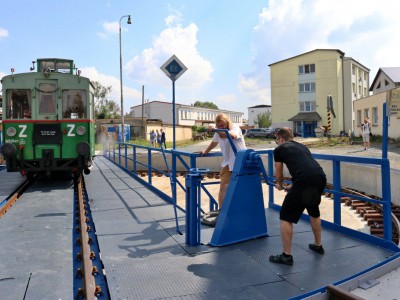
pixel 304 194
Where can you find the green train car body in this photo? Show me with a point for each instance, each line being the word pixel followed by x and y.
pixel 48 119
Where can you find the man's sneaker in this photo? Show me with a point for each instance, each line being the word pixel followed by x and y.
pixel 281 259
pixel 315 248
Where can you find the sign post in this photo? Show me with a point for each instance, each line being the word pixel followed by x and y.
pixel 393 107
pixel 173 68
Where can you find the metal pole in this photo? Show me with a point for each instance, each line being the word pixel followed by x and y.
pixel 120 77
pixel 143 127
pixel 173 113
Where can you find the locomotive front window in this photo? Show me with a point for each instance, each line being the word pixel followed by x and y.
pixel 47 98
pixel 74 104
pixel 18 104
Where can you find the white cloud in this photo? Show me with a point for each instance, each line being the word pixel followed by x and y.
pixel 363 30
pixel 3 33
pixel 226 99
pixel 110 28
pixel 178 40
pixel 131 96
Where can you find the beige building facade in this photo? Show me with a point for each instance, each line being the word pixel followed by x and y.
pixel 300 87
pixel 185 115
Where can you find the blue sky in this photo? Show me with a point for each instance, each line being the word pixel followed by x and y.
pixel 226 45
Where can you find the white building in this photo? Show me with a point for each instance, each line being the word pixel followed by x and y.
pixel 253 111
pixel 185 114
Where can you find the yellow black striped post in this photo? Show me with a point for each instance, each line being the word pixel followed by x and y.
pixel 329 124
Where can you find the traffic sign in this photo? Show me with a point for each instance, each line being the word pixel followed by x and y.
pixel 173 68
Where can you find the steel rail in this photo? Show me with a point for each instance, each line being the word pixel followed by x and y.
pixel 89 289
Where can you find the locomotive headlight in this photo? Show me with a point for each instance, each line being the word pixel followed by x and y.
pixel 11 131
pixel 80 130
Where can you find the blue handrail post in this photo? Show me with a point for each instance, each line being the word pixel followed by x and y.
pixel 149 170
pixel 126 156
pixel 134 160
pixel 337 218
pixel 193 205
pixel 271 171
pixel 385 177
pixel 119 153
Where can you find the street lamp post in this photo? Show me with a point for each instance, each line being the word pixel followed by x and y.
pixel 120 76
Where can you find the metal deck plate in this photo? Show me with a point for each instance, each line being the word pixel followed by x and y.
pixel 142 262
pixel 9 183
pixel 156 278
pixel 37 254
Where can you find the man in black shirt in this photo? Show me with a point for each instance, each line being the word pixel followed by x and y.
pixel 309 182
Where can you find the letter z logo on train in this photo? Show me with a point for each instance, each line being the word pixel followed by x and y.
pixel 71 129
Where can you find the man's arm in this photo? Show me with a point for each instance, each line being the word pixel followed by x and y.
pixel 209 148
pixel 279 175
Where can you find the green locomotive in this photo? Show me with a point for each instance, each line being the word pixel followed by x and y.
pixel 48 119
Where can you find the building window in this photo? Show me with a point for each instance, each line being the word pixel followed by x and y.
pixel 366 112
pixel 359 118
pixel 378 86
pixel 365 92
pixel 307 87
pixel 386 82
pixel 365 76
pixel 375 116
pixel 307 106
pixel 353 70
pixel 306 69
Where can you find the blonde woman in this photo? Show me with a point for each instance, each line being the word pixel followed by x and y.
pixel 222 121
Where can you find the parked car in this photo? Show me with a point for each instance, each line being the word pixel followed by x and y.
pixel 272 133
pixel 257 132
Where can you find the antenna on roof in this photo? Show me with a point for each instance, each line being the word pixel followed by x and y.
pixel 33 65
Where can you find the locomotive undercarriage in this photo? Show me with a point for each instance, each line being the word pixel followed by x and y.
pixel 48 164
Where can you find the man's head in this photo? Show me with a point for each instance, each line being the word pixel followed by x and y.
pixel 284 134
pixel 222 121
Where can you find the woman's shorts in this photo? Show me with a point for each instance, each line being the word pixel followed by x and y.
pixel 225 175
pixel 365 137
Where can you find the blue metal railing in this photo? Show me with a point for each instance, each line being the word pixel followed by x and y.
pixel 119 153
pixel 336 160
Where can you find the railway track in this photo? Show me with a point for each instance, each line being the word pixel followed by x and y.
pixel 370 212
pixel 88 264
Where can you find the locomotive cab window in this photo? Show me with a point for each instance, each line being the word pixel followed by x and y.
pixel 18 104
pixel 74 104
pixel 47 98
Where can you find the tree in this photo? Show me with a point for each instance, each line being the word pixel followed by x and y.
pixel 104 108
pixel 205 104
pixel 263 120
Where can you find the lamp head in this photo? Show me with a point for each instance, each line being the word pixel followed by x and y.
pixel 129 20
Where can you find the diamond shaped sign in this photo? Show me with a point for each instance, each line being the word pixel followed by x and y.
pixel 173 68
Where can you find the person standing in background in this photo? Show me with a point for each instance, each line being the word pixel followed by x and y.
pixel 163 139
pixel 366 131
pixel 158 138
